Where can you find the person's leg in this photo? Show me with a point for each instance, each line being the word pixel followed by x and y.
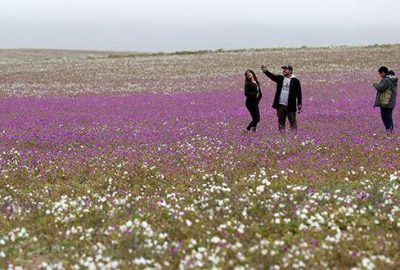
pixel 253 109
pixel 390 120
pixel 248 106
pixel 281 113
pixel 256 118
pixel 292 121
pixel 249 125
pixel 386 115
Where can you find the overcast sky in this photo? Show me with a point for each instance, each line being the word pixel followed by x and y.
pixel 176 25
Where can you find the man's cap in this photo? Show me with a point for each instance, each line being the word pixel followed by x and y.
pixel 287 66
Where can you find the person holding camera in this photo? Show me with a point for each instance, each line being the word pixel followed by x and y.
pixel 386 91
pixel 288 96
pixel 253 94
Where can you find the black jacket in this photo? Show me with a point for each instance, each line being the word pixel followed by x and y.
pixel 251 90
pixel 295 96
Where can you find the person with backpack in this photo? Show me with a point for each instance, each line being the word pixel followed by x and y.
pixel 253 94
pixel 288 96
pixel 386 92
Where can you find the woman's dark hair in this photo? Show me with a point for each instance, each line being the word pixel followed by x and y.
pixel 391 72
pixel 254 75
pixel 383 69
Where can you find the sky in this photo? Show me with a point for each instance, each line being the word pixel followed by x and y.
pixel 178 25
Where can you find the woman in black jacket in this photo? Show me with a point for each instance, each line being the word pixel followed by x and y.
pixel 252 91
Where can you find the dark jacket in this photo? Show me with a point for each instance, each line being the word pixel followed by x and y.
pixel 386 92
pixel 295 96
pixel 252 92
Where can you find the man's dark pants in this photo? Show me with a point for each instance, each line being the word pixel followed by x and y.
pixel 282 113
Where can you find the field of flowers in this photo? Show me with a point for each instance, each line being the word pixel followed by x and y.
pixel 139 161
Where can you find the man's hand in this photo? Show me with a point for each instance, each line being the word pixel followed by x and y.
pixel 263 68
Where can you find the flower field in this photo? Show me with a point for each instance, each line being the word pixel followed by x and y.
pixel 140 161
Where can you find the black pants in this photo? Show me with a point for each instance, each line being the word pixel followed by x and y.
pixel 283 113
pixel 252 106
pixel 387 118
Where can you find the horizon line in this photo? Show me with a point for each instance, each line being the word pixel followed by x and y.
pixel 199 51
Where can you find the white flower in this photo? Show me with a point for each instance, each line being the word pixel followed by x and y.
pixel 198 256
pixel 215 240
pixel 240 256
pixel 241 229
pixel 260 189
pixel 266 182
pixel 367 263
pixel 244 212
pixel 140 261
pixel 302 227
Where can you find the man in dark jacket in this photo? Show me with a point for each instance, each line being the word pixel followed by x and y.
pixel 386 96
pixel 288 97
